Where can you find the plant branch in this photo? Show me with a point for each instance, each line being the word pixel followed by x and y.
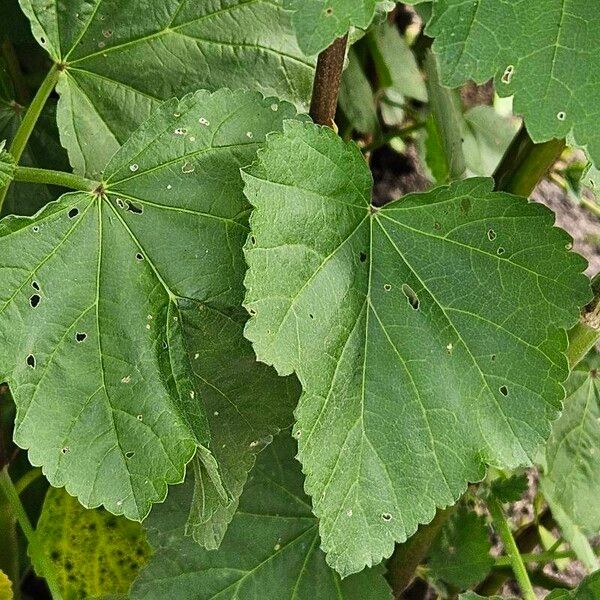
pixel 47 176
pixel 29 120
pixel 406 558
pixel 525 163
pixel 326 88
pixel 586 333
pixel 41 562
pixel 510 545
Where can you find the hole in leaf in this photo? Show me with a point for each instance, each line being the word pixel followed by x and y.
pixel 437 226
pixel 35 229
pixel 134 208
pixel 500 251
pixel 508 74
pixel 561 116
pixel 73 213
pixel 165 345
pixel 253 240
pixel 386 517
pixel 491 235
pixel 30 360
pixel 387 287
pixel 493 357
pixel 311 315
pixel 35 285
pixel 34 300
pixel 129 454
pixel 504 390
pixel 411 296
pixel 329 11
pixel 363 257
pixel 65 450
pixel 252 311
pixel 80 336
pixel 139 256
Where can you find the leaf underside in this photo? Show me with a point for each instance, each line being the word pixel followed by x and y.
pixel 545 53
pixel 120 319
pixel 123 59
pixel 271 549
pixel 428 335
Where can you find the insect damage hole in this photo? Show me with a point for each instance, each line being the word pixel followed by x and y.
pixel 80 336
pixel 491 234
pixel 35 285
pixel 30 360
pixel 35 300
pixel 129 454
pixel 73 213
pixel 411 296
pixel 139 257
pixel 362 257
pixel 387 517
pixel 504 390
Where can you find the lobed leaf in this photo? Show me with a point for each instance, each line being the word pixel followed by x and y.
pixel 545 53
pixel 120 59
pixel 428 335
pixel 271 549
pixel 120 319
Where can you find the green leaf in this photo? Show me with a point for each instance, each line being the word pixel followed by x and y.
pixel 571 478
pixel 123 59
pixel 6 592
pixel 356 97
pixel 319 22
pixel 107 297
pixel 428 335
pixel 7 166
pixel 510 489
pixel 94 553
pixel 474 596
pixel 271 549
pixel 543 52
pixel 588 589
pixel 460 554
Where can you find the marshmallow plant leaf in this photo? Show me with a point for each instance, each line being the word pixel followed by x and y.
pixel 428 335
pixel 115 62
pixel 271 549
pixel 121 322
pixel 545 53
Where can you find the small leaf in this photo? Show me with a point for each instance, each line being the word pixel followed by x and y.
pixel 117 68
pixel 541 52
pixel 319 22
pixel 271 549
pixel 588 589
pixel 460 554
pixel 94 553
pixel 7 166
pixel 571 477
pixel 510 489
pixel 107 297
pixel 428 335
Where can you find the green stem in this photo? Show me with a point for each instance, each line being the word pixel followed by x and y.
pixel 518 566
pixel 9 557
pixel 24 482
pixel 541 557
pixel 525 163
pixel 47 176
pixel 29 120
pixel 41 562
pixel 446 114
pixel 584 336
pixel 403 564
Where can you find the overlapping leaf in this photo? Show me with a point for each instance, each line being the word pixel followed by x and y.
pixel 7 166
pixel 571 479
pixel 119 315
pixel 428 335
pixel 460 555
pixel 588 589
pixel 546 53
pixel 319 22
pixel 120 59
pixel 271 549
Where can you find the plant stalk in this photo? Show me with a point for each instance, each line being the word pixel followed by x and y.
pixel 406 558
pixel 584 336
pixel 41 562
pixel 503 528
pixel 47 176
pixel 525 163
pixel 328 77
pixel 29 120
